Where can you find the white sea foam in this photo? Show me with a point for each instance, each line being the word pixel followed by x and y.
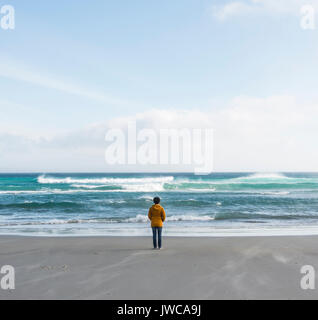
pixel 58 222
pixel 147 187
pixel 146 197
pixel 278 193
pixel 146 184
pixel 24 192
pixel 162 183
pixel 255 178
pixel 199 190
pixel 52 180
pixel 170 230
pixel 143 218
pixel 88 186
pixel 137 219
pixel 266 176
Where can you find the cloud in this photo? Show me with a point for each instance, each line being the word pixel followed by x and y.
pixel 255 7
pixel 276 133
pixel 15 71
pixel 232 9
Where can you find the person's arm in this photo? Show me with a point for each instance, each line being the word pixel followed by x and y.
pixel 149 214
pixel 163 215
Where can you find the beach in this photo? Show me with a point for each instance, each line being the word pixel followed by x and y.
pixel 191 120
pixel 186 268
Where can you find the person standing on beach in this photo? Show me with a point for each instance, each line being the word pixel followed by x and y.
pixel 157 216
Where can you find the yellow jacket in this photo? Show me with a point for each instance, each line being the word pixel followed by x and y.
pixel 156 215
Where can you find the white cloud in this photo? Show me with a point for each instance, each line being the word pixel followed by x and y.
pixel 255 7
pixel 251 134
pixel 231 9
pixel 15 71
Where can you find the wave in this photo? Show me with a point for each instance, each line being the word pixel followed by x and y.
pixel 265 176
pixel 139 189
pixel 275 193
pixel 269 178
pixel 143 218
pixel 253 182
pixel 51 191
pixel 54 222
pixel 143 189
pixel 14 192
pixel 256 218
pixel 30 205
pixel 138 219
pixel 146 197
pixel 226 216
pixel 147 187
pixel 144 184
pixel 275 184
pixel 68 180
pixel 88 186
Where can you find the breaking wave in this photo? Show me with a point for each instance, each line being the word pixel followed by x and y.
pixel 68 180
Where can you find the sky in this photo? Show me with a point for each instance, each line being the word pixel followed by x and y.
pixel 70 70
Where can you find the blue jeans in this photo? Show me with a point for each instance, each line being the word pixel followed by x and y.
pixel 155 231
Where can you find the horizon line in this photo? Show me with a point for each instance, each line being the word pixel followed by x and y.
pixel 144 172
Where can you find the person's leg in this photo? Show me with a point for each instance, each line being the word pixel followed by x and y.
pixel 159 237
pixel 154 237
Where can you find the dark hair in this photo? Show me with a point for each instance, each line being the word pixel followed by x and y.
pixel 156 200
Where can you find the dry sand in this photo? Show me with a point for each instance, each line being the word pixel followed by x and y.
pixel 187 268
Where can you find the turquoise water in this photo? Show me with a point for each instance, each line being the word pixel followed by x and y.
pixel 117 204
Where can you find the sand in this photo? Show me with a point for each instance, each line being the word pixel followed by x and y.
pixel 187 268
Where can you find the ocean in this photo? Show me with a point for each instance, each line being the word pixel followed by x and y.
pixel 219 204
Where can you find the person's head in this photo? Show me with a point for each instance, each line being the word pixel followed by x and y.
pixel 156 200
